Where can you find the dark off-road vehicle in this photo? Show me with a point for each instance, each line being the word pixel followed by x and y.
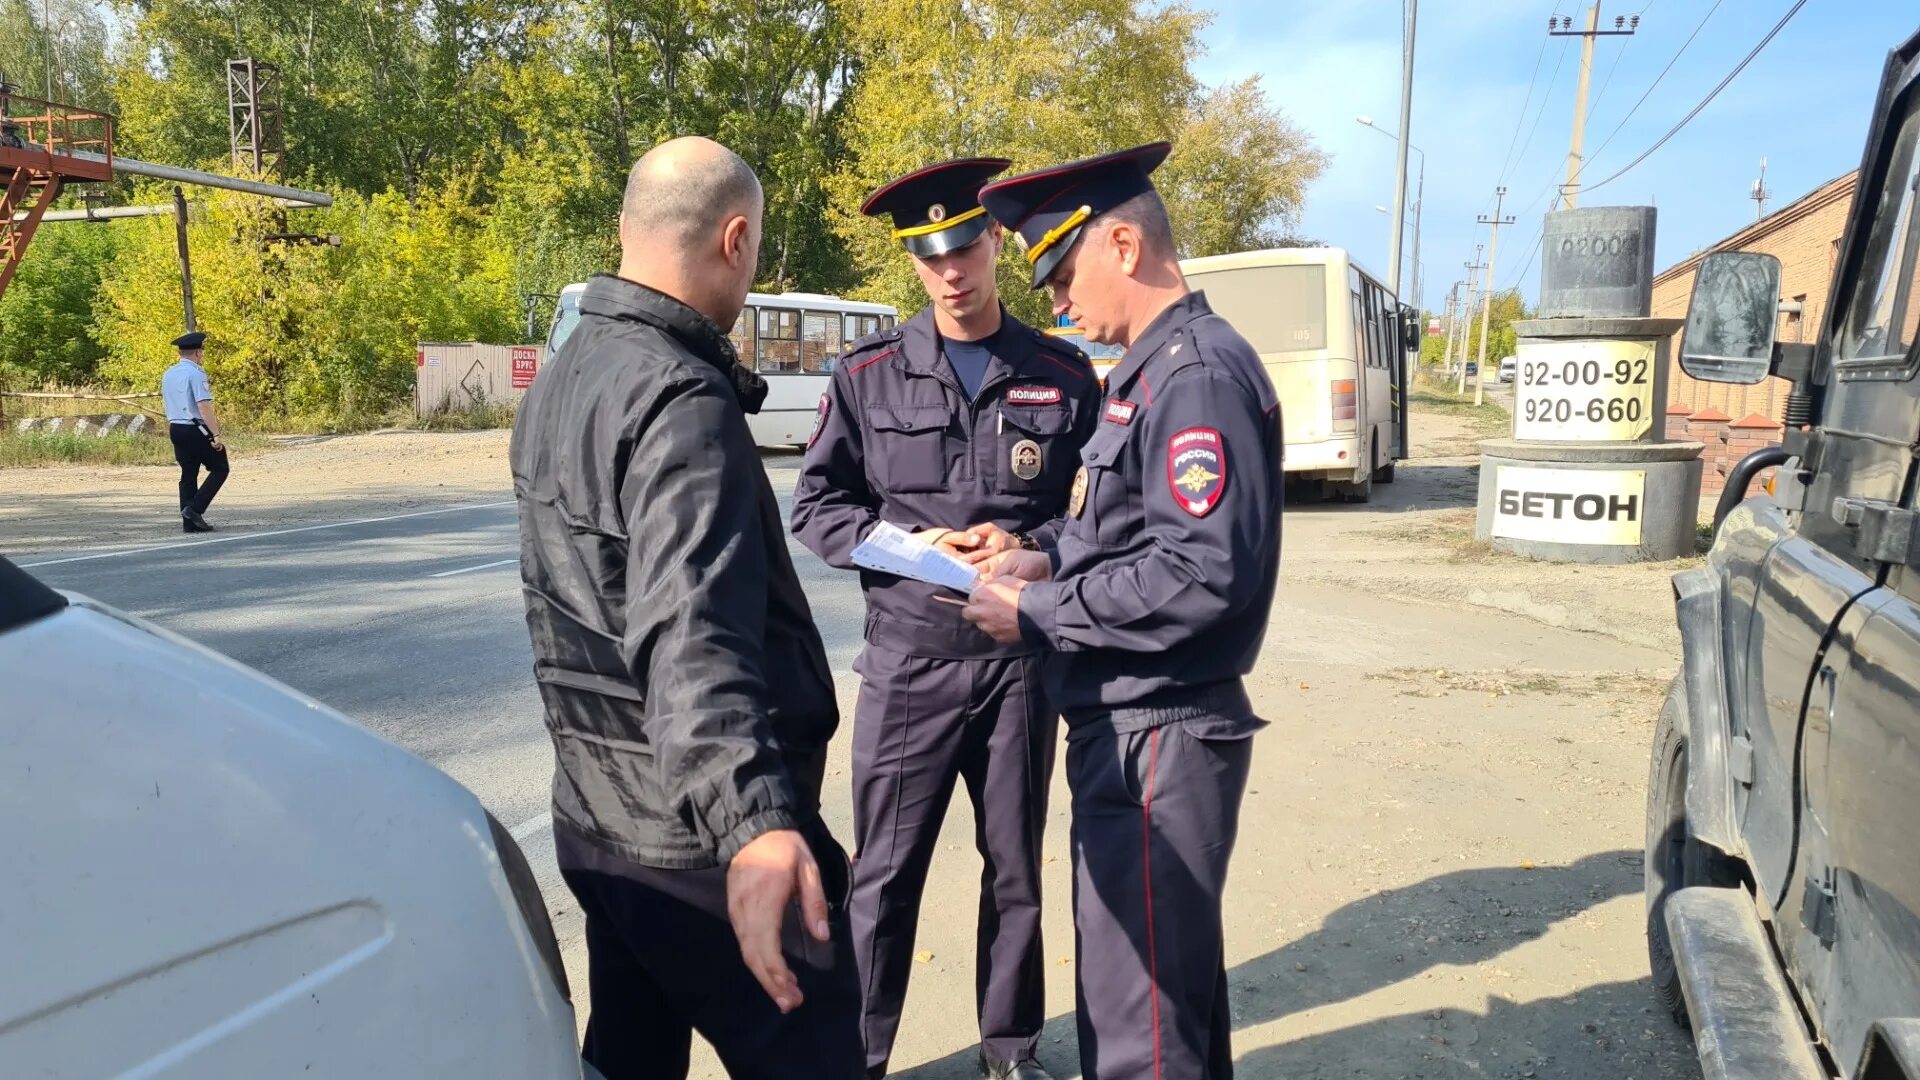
pixel 1783 831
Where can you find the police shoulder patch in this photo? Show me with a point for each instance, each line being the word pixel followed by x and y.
pixel 1197 469
pixel 820 419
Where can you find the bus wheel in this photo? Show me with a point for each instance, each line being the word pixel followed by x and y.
pixel 1383 474
pixel 1354 492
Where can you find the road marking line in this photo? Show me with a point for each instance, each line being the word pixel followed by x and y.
pixel 471 569
pixel 530 826
pixel 262 535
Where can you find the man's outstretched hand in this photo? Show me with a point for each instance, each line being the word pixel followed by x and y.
pixel 762 880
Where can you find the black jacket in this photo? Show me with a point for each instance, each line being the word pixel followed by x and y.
pixel 660 595
pixel 1166 569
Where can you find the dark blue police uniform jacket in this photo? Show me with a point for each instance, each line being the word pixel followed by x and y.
pixel 897 440
pixel 1165 575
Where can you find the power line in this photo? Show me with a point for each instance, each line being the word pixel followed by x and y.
pixel 1521 120
pixel 1552 81
pixel 1651 87
pixel 1537 241
pixel 1711 94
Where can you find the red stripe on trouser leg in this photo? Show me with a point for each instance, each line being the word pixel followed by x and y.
pixel 1146 868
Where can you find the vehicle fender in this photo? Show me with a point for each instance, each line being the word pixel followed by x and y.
pixel 1893 1051
pixel 1703 670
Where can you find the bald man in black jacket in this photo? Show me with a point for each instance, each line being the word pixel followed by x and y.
pixel 663 606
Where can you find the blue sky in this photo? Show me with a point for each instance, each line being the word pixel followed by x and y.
pixel 1803 104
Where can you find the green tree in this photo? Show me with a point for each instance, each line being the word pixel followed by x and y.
pixel 73 55
pixel 46 316
pixel 1042 82
pixel 303 335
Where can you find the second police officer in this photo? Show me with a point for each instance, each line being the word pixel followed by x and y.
pixel 1154 603
pixel 961 416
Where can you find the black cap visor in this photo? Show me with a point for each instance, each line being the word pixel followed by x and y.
pixel 1050 259
pixel 929 245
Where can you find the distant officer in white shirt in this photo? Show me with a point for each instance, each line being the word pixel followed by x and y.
pixel 195 430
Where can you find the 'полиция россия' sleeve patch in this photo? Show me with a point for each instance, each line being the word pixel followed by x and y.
pixel 1197 469
pixel 820 419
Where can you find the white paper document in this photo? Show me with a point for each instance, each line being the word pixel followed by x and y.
pixel 893 550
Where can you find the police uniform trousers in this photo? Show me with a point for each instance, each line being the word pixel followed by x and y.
pixel 192 451
pixel 920 724
pixel 663 963
pixel 1155 813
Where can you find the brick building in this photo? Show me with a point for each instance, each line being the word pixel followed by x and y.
pixel 1734 420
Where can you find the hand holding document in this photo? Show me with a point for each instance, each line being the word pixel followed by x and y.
pixel 890 549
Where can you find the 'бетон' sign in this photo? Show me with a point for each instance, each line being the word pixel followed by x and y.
pixel 1570 506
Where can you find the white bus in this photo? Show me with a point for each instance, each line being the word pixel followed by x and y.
pixel 793 339
pixel 1336 345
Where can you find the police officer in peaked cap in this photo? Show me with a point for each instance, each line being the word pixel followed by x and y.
pixel 1153 602
pixel 963 425
pixel 194 428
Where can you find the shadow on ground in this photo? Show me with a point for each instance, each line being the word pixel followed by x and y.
pixel 1456 919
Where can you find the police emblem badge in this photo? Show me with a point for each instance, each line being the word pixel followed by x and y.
pixel 936 213
pixel 1026 459
pixel 1078 497
pixel 820 419
pixel 1197 469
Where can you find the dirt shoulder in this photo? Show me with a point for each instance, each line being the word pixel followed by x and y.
pixel 1414 542
pixel 301 481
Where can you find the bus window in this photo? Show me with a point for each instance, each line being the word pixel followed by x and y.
pixel 566 317
pixel 1362 347
pixel 779 341
pixel 1276 308
pixel 819 341
pixel 742 333
pixel 886 322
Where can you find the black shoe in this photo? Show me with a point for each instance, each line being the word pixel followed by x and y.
pixel 193 522
pixel 1024 1069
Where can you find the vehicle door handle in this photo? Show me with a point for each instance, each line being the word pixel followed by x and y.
pixel 1829 682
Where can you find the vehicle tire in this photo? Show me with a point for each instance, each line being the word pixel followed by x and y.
pixel 1383 474
pixel 1350 490
pixel 1673 859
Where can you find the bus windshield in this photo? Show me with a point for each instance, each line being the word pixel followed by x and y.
pixel 1276 308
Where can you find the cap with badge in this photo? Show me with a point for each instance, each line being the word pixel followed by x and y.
pixel 937 209
pixel 189 341
pixel 1048 209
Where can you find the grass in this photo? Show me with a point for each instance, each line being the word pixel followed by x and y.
pixel 38 449
pixel 1431 395
pixel 472 416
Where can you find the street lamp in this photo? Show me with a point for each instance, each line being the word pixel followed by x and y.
pixel 1419 197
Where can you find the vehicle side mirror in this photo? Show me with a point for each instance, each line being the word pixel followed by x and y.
pixel 1731 318
pixel 1410 329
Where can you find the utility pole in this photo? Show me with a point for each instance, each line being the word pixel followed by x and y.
pixel 1474 266
pixel 1562 26
pixel 186 264
pixel 1400 155
pixel 1453 319
pixel 1486 300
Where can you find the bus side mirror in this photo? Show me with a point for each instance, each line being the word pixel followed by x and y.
pixel 1410 329
pixel 1731 317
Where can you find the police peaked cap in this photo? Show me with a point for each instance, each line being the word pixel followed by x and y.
pixel 937 209
pixel 191 340
pixel 1047 210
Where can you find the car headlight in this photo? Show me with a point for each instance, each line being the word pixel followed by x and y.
pixel 533 907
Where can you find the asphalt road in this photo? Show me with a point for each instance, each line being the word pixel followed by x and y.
pixel 412 625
